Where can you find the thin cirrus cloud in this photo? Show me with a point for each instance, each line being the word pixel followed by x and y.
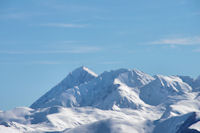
pixel 75 50
pixel 196 13
pixel 21 15
pixel 64 25
pixel 14 15
pixel 178 41
pixel 197 50
pixel 110 62
pixel 51 62
pixel 44 62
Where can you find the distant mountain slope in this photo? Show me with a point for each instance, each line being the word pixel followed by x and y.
pixel 75 78
pixel 162 88
pixel 197 84
pixel 194 83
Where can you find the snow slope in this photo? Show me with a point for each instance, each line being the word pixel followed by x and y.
pixel 194 83
pixel 118 101
pixel 78 76
pixel 162 88
pixel 75 119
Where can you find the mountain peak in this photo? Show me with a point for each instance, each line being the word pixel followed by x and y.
pixel 77 77
pixel 130 77
pixel 83 68
pixel 135 78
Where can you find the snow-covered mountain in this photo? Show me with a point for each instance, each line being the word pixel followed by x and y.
pixel 109 90
pixel 118 101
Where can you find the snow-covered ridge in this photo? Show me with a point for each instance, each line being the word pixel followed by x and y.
pixel 102 91
pixel 89 71
pixel 119 101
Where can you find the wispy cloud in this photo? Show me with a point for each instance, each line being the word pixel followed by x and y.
pixel 68 7
pixel 44 62
pixel 178 41
pixel 64 25
pixel 14 15
pixel 197 50
pixel 72 50
pixel 196 13
pixel 110 62
pixel 20 15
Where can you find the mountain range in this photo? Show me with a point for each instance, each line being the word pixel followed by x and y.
pixel 117 101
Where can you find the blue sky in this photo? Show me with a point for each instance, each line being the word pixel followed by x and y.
pixel 41 41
